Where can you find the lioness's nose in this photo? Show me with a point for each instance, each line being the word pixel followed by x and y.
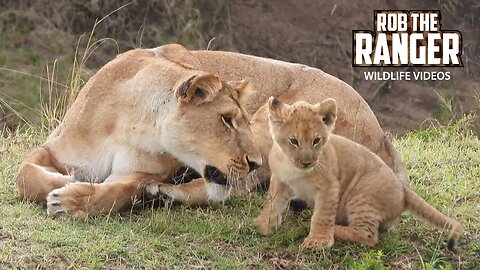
pixel 253 164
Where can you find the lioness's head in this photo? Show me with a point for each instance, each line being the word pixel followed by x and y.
pixel 209 130
pixel 301 129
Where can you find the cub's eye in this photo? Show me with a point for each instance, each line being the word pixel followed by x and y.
pixel 294 142
pixel 228 120
pixel 316 141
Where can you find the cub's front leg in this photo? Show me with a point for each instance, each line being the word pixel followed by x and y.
pixel 278 197
pixel 323 219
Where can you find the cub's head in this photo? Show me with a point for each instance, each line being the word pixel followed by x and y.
pixel 209 128
pixel 301 129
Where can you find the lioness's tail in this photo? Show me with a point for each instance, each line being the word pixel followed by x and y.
pixel 422 209
pixel 396 162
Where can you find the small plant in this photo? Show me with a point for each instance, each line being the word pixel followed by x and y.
pixel 58 102
pixel 371 260
pixel 445 111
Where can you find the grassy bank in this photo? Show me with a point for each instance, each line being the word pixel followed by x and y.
pixel 444 165
pixel 44 45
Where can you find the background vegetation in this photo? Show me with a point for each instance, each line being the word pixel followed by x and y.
pixel 45 45
pixel 41 39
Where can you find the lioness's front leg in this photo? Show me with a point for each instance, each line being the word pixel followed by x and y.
pixel 278 197
pixel 200 191
pixel 81 199
pixel 323 219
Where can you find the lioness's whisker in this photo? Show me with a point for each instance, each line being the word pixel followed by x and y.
pixel 253 179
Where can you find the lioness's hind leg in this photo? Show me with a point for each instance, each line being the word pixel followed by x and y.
pixel 39 175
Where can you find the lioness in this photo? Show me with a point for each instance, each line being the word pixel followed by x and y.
pixel 149 111
pixel 353 192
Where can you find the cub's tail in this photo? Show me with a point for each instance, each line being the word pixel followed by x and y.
pixel 422 209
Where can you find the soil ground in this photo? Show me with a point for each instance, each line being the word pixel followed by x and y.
pixel 319 34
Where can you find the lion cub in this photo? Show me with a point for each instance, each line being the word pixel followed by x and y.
pixel 353 192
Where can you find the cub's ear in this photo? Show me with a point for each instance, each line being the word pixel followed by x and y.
pixel 327 110
pixel 275 108
pixel 243 88
pixel 199 89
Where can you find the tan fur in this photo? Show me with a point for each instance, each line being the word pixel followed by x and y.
pixel 131 120
pixel 345 182
pixel 81 199
pixel 40 164
pixel 139 118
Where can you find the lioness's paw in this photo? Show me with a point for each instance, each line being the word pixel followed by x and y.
pixel 60 202
pixel 263 225
pixel 151 191
pixel 316 242
pixel 159 191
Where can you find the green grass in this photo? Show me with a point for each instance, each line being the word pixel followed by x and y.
pixel 444 165
pixel 25 55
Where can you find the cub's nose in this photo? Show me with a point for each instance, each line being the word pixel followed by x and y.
pixel 306 164
pixel 253 164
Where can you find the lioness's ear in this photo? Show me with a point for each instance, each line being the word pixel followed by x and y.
pixel 243 88
pixel 275 107
pixel 198 89
pixel 178 54
pixel 327 110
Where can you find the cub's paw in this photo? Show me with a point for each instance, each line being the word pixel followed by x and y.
pixel 67 201
pixel 317 242
pixel 264 226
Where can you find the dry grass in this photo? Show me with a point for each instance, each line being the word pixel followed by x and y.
pixel 32 33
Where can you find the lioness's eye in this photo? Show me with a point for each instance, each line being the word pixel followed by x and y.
pixel 294 141
pixel 316 141
pixel 228 120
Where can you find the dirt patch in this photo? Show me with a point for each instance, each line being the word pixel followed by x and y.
pixel 318 33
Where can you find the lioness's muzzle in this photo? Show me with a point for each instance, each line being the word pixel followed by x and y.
pixel 214 175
